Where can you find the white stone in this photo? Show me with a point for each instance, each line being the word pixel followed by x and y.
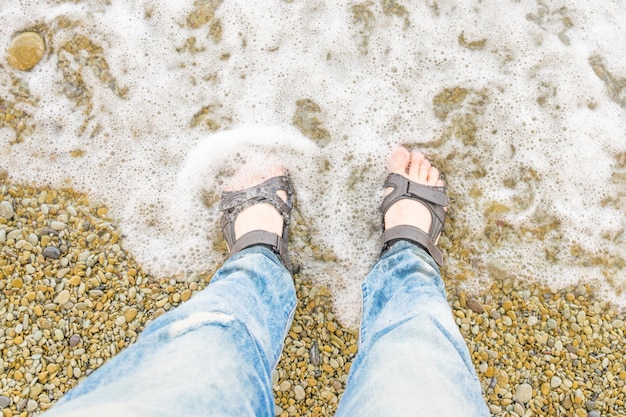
pixel 299 391
pixel 6 210
pixel 524 393
pixel 56 225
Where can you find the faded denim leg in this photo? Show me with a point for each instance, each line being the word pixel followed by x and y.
pixel 412 359
pixel 212 356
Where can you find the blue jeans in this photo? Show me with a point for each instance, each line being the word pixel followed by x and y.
pixel 214 355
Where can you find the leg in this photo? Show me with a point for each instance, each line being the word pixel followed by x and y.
pixel 412 359
pixel 213 355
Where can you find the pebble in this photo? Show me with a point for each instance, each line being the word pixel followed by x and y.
pixel 4 402
pixel 524 393
pixel 31 405
pixel 113 300
pixel 6 210
pixel 130 314
pixel 74 340
pixel 57 225
pixel 51 252
pixel 299 392
pixel 62 298
pixel 26 50
pixel 475 306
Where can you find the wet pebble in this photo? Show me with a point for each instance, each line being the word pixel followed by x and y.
pixel 26 50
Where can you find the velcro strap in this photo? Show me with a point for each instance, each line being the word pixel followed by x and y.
pixel 265 238
pixel 415 235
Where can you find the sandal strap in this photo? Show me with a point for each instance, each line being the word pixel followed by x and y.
pixel 433 197
pixel 261 237
pixel 234 202
pixel 413 234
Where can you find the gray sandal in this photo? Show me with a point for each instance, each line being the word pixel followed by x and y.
pixel 234 202
pixel 434 198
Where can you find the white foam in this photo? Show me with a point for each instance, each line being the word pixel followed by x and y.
pixel 544 120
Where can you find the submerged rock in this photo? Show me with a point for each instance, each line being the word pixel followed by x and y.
pixel 26 50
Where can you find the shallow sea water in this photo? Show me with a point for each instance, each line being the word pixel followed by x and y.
pixel 149 107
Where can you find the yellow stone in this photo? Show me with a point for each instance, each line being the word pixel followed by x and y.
pixel 36 390
pixel 17 283
pixel 52 368
pixel 18 340
pixel 130 314
pixel 75 280
pixel 503 379
pixel 43 376
pixel 507 305
pixel 7 412
pixel 26 50
pixel 545 389
pixel 186 295
pixel 328 369
pixel 38 310
pixel 622 375
pixel 18 375
pixel 489 372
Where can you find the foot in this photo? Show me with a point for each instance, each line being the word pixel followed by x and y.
pixel 262 216
pixel 416 167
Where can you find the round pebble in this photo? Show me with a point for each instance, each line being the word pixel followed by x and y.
pixel 524 393
pixel 6 210
pixel 4 402
pixel 555 382
pixel 299 392
pixel 31 405
pixel 62 298
pixel 26 50
pixel 51 252
pixel 74 340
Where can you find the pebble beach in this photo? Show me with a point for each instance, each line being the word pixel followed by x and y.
pixel 90 201
pixel 72 297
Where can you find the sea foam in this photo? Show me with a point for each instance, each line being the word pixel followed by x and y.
pixel 521 103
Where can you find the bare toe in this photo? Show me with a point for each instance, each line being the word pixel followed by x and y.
pixel 399 161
